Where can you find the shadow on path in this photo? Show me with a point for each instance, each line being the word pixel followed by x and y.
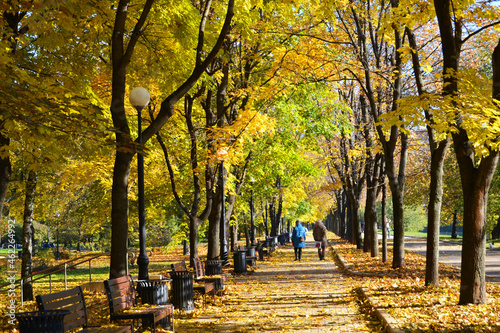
pixel 283 295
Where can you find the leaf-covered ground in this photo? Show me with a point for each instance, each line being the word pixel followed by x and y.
pixel 283 295
pixel 417 308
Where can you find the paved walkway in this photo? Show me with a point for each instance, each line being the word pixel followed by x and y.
pixel 284 295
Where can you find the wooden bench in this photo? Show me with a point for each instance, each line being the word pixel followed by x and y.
pixel 179 266
pixel 200 271
pixel 122 299
pixel 74 301
pixel 200 275
pixel 202 287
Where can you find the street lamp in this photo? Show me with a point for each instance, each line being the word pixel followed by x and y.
pixel 139 98
pixel 224 256
pixel 57 236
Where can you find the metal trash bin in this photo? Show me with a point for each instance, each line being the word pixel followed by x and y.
pixel 153 292
pixel 240 262
pixel 182 290
pixel 49 321
pixel 251 251
pixel 213 267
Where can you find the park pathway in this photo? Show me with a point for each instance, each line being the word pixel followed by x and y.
pixel 283 295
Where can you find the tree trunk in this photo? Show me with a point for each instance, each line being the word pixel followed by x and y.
pixel 194 225
pixel 454 233
pixel 273 217
pixel 266 224
pixel 472 282
pixel 5 173
pixel 119 215
pixel 397 181
pixel 384 219
pixel 476 183
pixel 27 259
pixel 214 227
pixel 343 213
pixel 234 235
pixel 434 213
pixel 399 232
pixel 335 217
pixel 355 224
pixel 365 233
pixel 371 234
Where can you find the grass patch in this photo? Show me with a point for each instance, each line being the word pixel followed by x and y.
pixel 4 252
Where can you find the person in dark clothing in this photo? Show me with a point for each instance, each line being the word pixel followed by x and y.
pixel 319 234
pixel 298 240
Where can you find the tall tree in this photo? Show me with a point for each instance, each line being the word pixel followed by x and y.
pixel 438 149
pixel 347 158
pixel 476 174
pixel 44 101
pixel 377 56
pixel 123 45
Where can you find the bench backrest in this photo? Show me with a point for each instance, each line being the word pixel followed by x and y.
pixel 71 300
pixel 121 293
pixel 179 266
pixel 199 268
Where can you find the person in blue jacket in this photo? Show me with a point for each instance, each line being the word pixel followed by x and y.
pixel 298 240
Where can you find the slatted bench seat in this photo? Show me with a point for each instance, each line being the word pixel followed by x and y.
pixel 74 301
pixel 122 300
pixel 201 287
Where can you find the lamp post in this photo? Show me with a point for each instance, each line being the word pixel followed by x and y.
pixel 57 236
pixel 224 256
pixel 139 98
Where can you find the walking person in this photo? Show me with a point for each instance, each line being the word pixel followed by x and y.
pixel 298 240
pixel 319 234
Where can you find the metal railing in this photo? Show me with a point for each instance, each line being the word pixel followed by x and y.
pixel 56 269
pixel 64 267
